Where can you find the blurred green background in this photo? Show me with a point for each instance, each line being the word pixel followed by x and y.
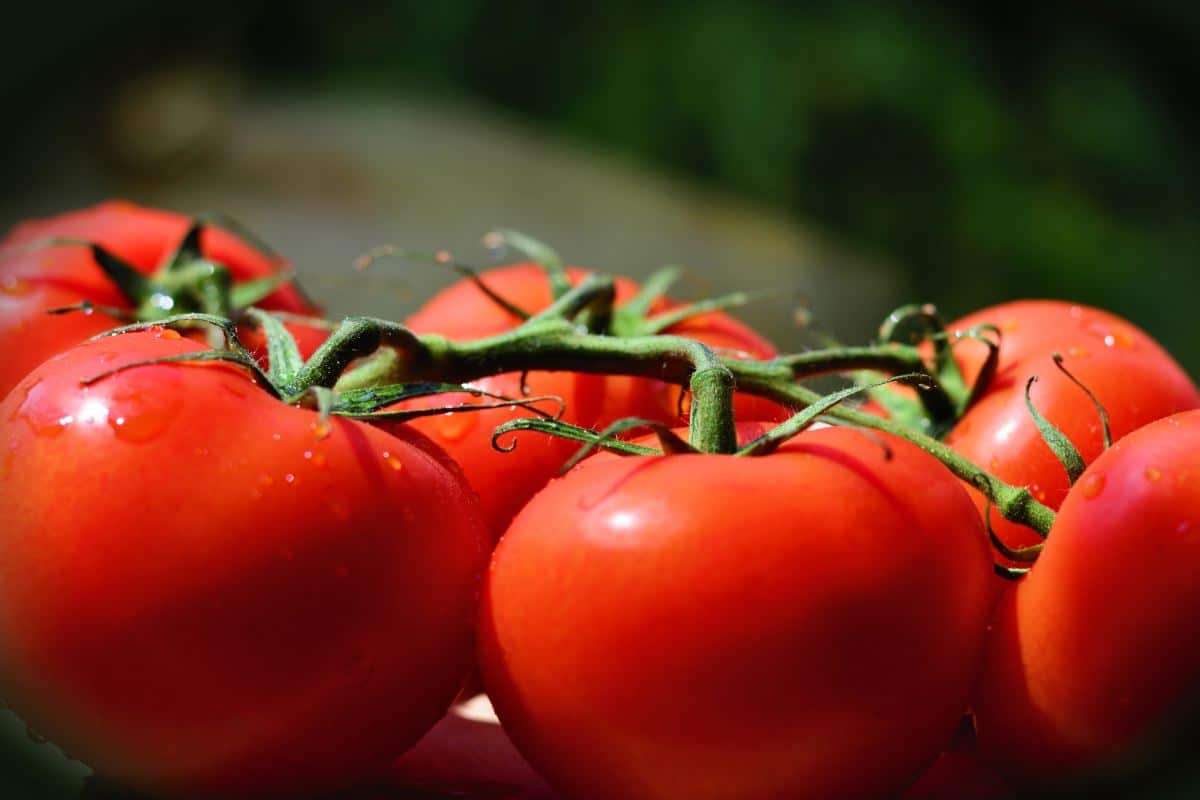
pixel 980 153
pixel 863 153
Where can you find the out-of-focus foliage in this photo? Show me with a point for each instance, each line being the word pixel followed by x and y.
pixel 997 152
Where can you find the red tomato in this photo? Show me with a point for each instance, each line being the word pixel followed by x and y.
pixel 202 595
pixel 1100 644
pixel 961 773
pixel 34 280
pixel 506 481
pixel 804 624
pixel 1134 378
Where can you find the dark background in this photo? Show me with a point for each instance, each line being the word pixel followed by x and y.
pixel 959 154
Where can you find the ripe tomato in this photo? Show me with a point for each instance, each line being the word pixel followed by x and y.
pixel 1133 377
pixel 201 594
pixel 1099 644
pixel 506 481
pixel 961 772
pixel 34 280
pixel 804 624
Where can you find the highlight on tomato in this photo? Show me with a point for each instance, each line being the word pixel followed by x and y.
pixel 1096 651
pixel 801 624
pixel 133 261
pixel 205 591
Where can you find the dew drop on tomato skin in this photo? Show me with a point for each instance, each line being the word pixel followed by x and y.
pixel 140 426
pixel 1152 473
pixel 289 479
pixel 321 428
pixel 1092 486
pixel 15 287
pixel 454 426
pixel 316 458
pixel 392 461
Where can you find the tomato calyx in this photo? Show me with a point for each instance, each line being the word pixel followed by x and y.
pixel 186 281
pixel 934 411
pixel 294 381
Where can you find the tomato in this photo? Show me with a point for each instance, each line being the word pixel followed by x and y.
pixel 804 624
pixel 204 591
pixel 961 772
pixel 1099 645
pixel 506 481
pixel 1132 376
pixel 34 279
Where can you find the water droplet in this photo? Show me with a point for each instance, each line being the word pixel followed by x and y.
pixel 276 437
pixel 1173 422
pixel 1111 335
pixel 170 334
pixel 455 426
pixel 1038 493
pixel 1075 311
pixel 289 478
pixel 15 287
pixel 1092 486
pixel 1009 326
pixel 392 461
pixel 1152 473
pixel 316 457
pixel 1078 352
pixel 994 464
pixel 156 330
pixel 141 426
pixel 321 428
pixel 163 302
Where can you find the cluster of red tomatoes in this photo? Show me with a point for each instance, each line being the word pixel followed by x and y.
pixel 205 591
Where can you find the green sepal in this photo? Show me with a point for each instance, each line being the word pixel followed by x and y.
pixel 987 372
pixel 793 426
pixel 565 430
pixel 1108 439
pixel 132 284
pixel 416 413
pixel 638 307
pixel 899 326
pixel 371 400
pixel 540 252
pixel 1062 447
pixel 282 351
pixel 1024 555
pixel 438 259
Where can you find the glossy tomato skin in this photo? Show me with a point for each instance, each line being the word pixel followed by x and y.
pixel 202 595
pixel 1099 645
pixel 800 625
pixel 506 481
pixel 34 279
pixel 1135 380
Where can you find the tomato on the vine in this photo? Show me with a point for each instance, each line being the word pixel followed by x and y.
pixel 1099 645
pixel 36 276
pixel 803 624
pixel 205 591
pixel 1133 378
pixel 505 481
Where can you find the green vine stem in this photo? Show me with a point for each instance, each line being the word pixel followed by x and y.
pixel 1015 503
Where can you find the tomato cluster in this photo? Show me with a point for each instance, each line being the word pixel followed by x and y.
pixel 266 568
